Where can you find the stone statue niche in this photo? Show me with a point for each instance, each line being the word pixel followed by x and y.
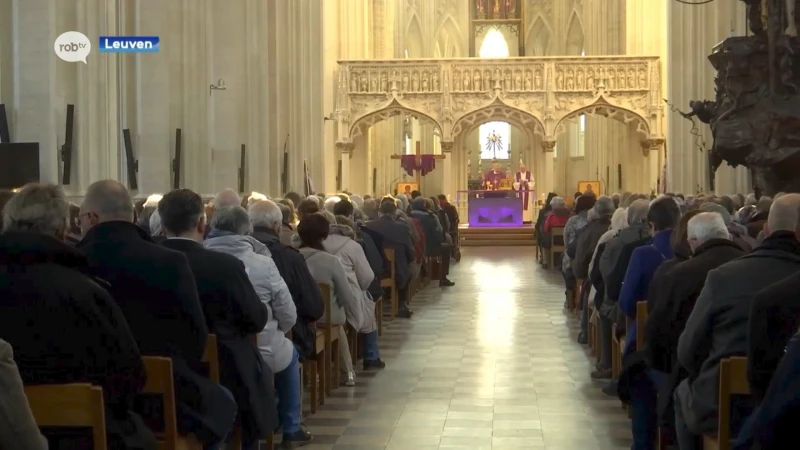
pixel 755 117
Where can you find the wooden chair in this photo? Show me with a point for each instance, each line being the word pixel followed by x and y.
pixel 211 358
pixel 578 296
pixel 641 322
pixel 331 335
pixel 732 381
pixel 70 405
pixel 352 342
pixel 379 315
pixel 160 382
pixel 556 245
pixel 616 353
pixel 390 282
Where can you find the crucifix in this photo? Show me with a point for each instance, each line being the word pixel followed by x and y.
pixel 418 165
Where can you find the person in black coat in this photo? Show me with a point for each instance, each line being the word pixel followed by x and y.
pixel 435 244
pixel 396 236
pixel 712 247
pixel 156 291
pixel 774 319
pixel 64 326
pixel 232 309
pixel 267 218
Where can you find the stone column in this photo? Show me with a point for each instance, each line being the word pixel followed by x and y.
pixel 35 97
pixel 692 32
pixel 198 161
pixel 345 153
pixel 547 184
pixel 152 133
pixel 448 187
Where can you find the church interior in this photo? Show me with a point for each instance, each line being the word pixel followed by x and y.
pixel 530 176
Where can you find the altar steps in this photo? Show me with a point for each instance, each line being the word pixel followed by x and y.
pixel 497 236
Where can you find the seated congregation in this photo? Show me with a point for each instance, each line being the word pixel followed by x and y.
pixel 692 307
pixel 231 297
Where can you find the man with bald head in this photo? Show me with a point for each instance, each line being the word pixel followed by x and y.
pixel 718 325
pixel 156 291
pixel 227 198
pixel 776 309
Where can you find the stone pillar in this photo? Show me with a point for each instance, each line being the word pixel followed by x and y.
pixel 448 187
pixel 547 184
pixel 345 154
pixel 152 133
pixel 34 64
pixel 692 32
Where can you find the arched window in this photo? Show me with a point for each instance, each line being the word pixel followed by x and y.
pixel 494 138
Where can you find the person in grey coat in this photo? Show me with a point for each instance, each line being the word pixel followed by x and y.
pixel 18 430
pixel 637 229
pixel 328 269
pixel 718 325
pixel 230 229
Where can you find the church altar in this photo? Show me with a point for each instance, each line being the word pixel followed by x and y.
pixel 493 208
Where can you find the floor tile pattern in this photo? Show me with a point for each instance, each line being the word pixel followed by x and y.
pixel 491 363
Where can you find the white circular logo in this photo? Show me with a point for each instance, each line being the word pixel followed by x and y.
pixel 72 46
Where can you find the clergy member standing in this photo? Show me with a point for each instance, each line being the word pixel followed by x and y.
pixel 523 182
pixel 493 177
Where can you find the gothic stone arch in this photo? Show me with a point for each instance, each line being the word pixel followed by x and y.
pixel 543 91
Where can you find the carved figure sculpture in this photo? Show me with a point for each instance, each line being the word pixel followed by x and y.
pixel 477 80
pixel 374 82
pixel 559 80
pixel 425 81
pixel 590 79
pixel 528 81
pixel 610 79
pixel 517 81
pixel 570 80
pixel 631 79
pixel 405 81
pixel 415 82
pixel 620 78
pixel 353 82
pixel 384 82
pixel 579 79
pixel 642 79
pixel 508 80
pixel 487 80
pixel 537 80
pixel 435 81
pixel 364 81
pixel 466 81
pixel 497 78
pixel 456 80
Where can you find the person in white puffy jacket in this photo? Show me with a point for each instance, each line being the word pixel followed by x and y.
pixel 230 229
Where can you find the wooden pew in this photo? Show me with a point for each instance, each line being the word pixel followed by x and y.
pixel 641 322
pixel 390 282
pixel 331 335
pixel 70 405
pixel 556 245
pixel 577 300
pixel 160 382
pixel 616 352
pixel 732 381
pixel 211 357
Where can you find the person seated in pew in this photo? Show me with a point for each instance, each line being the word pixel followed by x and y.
pixel 397 236
pixel 773 423
pixel 368 240
pixel 63 324
pixel 230 233
pixel 435 244
pixel 328 269
pixel 232 310
pixel 156 291
pixel 717 327
pixel 288 222
pixel 738 236
pixel 663 217
pixel 709 240
pixel 586 243
pixel 574 224
pixel 774 319
pixel 266 218
pixel 18 429
pixel 344 242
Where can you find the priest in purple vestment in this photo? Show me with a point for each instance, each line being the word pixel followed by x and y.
pixel 491 180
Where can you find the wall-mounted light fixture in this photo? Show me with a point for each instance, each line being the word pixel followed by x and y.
pixel 220 86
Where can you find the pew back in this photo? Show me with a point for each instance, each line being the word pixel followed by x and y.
pixel 70 405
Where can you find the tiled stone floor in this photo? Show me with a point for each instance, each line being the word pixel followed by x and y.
pixel 491 363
